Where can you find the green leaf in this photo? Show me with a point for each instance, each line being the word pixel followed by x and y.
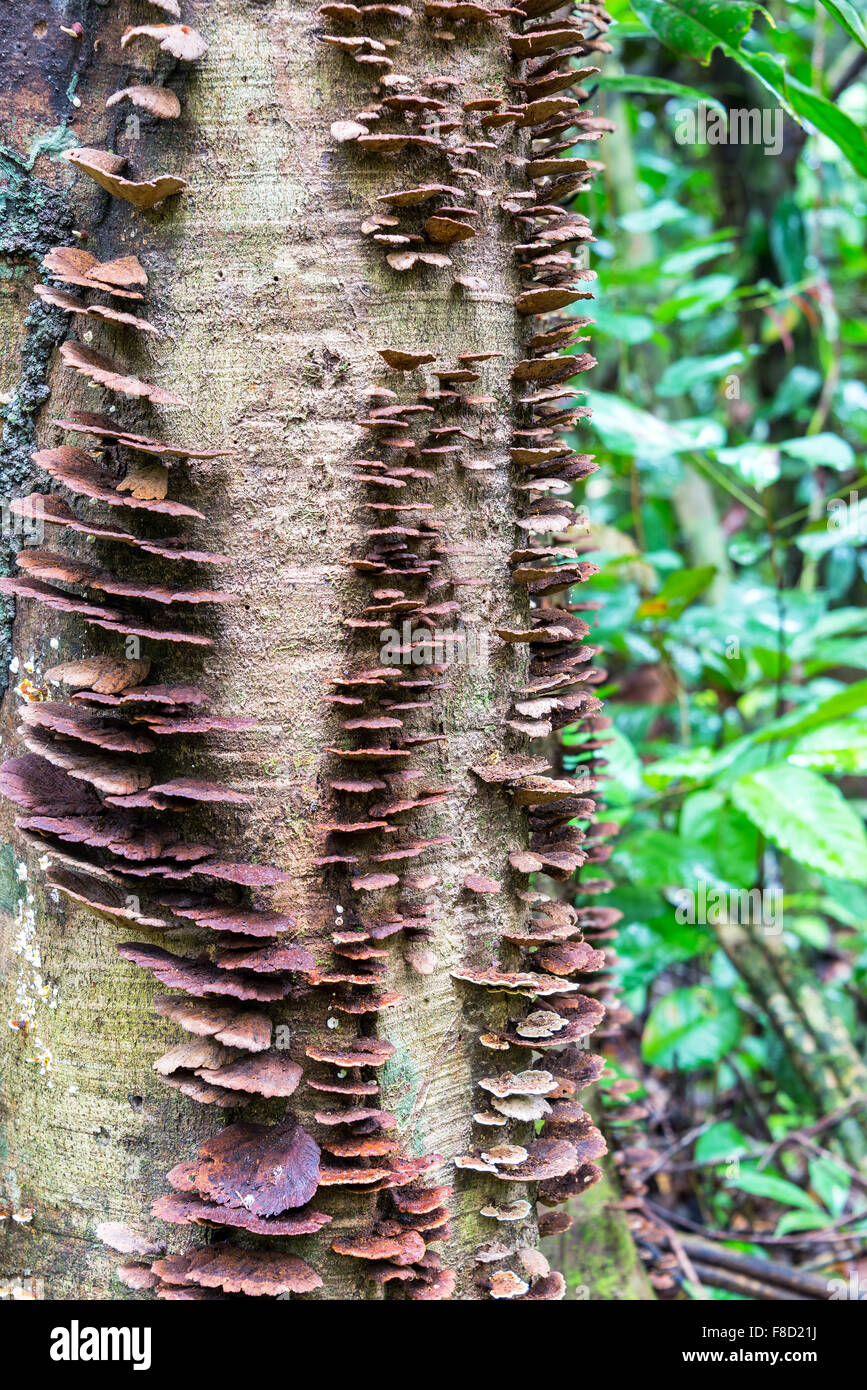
pixel 847 701
pixel 681 376
pixel 684 262
pixel 831 1183
pixel 814 1220
pixel 848 18
pixel 821 451
pixel 639 85
pixel 650 219
pixel 757 464
pixel 807 817
pixel 626 328
pixel 696 299
pixel 678 591
pixel 846 524
pixel 722 1141
pixel 839 748
pixel 691 1028
pixel 625 429
pixel 696 27
pixel 778 1189
pixel 806 105
pixel 709 820
pixel 651 858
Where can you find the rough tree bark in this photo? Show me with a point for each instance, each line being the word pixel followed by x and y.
pixel 273 308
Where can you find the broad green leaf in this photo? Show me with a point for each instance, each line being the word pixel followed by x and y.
pixel 651 858
pixel 847 701
pixel 845 524
pixel 696 27
pixel 799 387
pixel 821 451
pixel 778 1189
pixel 839 748
pixel 691 1028
pixel 806 105
pixel 831 120
pixel 849 19
pixel 807 817
pixel 791 1221
pixel 708 819
pixel 757 464
pixel 687 372
pixel 651 218
pixel 626 328
pixel 722 1141
pixel 697 298
pixel 677 592
pixel 638 85
pixel 692 765
pixel 684 262
pixel 842 651
pixel 625 429
pixel 646 948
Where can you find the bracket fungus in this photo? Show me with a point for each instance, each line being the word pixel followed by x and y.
pixel 104 169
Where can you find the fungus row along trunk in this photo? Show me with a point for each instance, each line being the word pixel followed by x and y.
pixel 360 274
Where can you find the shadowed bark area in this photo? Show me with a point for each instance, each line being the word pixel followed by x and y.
pixel 597 1254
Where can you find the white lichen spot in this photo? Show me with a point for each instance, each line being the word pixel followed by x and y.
pixel 54 644
pixel 14 665
pixel 32 992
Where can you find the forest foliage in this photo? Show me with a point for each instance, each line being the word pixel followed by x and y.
pixel 730 421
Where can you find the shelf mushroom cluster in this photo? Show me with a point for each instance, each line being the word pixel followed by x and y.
pixel 422 226
pixel 105 798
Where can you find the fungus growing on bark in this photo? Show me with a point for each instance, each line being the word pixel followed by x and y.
pixel 506 1284
pixel 104 168
pixel 102 897
pixel 269 1075
pixel 75 266
pixel 266 1169
pixel 189 1209
pixel 177 39
pixel 259 1272
pixel 70 303
pixel 121 1237
pixel 228 1024
pixel 478 883
pixel 157 101
pixel 98 368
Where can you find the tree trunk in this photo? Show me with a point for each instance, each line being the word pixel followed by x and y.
pixel 273 308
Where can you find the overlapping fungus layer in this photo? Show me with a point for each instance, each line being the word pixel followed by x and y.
pixel 429 226
pixel 113 829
